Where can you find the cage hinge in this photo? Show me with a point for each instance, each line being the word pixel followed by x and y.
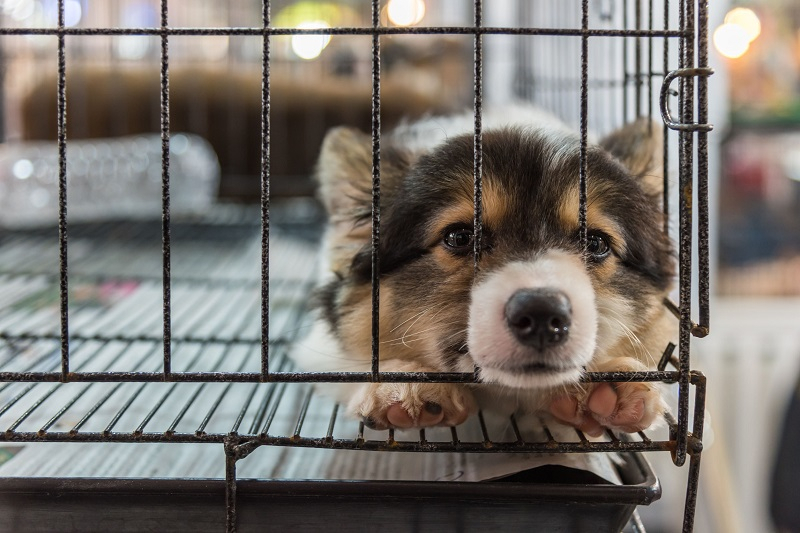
pixel 664 99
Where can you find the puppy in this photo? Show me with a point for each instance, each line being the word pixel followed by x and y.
pixel 539 312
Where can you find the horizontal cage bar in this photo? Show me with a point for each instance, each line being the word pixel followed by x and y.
pixel 259 31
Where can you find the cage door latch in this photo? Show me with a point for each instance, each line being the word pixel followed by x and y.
pixel 664 100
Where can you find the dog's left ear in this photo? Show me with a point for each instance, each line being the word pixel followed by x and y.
pixel 639 146
pixel 344 172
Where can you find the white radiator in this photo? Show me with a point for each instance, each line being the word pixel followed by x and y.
pixel 752 360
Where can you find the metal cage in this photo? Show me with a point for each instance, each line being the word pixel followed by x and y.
pixel 188 361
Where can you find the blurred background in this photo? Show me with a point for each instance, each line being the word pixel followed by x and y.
pixel 113 96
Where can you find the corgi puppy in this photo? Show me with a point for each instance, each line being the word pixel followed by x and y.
pixel 540 310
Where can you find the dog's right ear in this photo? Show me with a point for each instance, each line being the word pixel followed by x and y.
pixel 344 172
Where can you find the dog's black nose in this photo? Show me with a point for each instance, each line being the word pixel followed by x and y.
pixel 539 318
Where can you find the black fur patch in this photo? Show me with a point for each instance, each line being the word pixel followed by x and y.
pixel 325 299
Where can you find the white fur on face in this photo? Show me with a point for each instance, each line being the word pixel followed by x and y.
pixel 494 348
pixel 615 316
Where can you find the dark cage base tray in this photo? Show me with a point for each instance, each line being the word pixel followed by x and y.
pixel 63 504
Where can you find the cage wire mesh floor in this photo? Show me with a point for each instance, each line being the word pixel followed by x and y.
pixel 115 328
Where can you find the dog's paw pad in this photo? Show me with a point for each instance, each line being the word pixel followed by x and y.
pixel 602 401
pixel 413 405
pixel 628 407
pixel 431 414
pixel 567 409
pixel 635 405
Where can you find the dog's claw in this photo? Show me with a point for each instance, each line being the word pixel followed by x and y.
pixel 370 422
pixel 433 408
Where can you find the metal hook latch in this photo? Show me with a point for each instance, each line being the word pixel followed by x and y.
pixel 664 103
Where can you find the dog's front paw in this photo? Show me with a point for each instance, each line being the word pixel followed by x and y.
pixel 412 405
pixel 624 406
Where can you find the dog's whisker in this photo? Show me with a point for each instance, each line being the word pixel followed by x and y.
pixel 417 317
pixel 637 342
pixel 454 335
pixel 417 334
pixel 412 325
pixel 412 317
pixel 640 348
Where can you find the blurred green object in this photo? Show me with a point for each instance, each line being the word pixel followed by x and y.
pixel 8 452
pixel 332 13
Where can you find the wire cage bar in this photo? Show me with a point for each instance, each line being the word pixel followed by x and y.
pixel 262 358
pixel 62 193
pixel 376 191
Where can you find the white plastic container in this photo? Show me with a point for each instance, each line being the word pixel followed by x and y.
pixel 106 179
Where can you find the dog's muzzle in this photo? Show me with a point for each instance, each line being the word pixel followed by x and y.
pixel 539 318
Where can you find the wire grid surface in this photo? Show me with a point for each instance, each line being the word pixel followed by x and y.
pixel 169 353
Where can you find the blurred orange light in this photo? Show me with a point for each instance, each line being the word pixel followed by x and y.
pixel 747 19
pixel 731 40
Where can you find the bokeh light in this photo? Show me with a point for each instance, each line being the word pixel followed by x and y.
pixel 747 19
pixel 731 40
pixel 405 12
pixel 310 46
pixel 741 27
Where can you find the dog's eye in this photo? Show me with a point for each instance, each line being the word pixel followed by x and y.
pixel 459 239
pixel 597 246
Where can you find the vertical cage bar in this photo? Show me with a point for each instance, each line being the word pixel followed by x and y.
pixel 265 180
pixel 301 416
pixel 665 198
pixel 693 481
pixel 584 123
pixel 698 424
pixel 62 194
pixel 637 55
pixel 3 72
pixel 165 200
pixel 477 147
pixel 332 422
pixel 376 186
pixel 686 228
pixel 702 172
pixel 521 62
pixel 230 487
pixel 650 72
pixel 692 486
pixel 625 76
